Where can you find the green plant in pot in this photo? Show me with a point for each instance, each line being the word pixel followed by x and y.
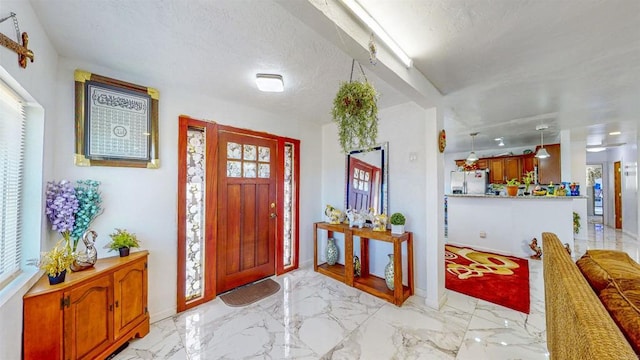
pixel 122 240
pixel 527 179
pixel 397 221
pixel 512 187
pixel 56 262
pixel 355 110
pixel 576 222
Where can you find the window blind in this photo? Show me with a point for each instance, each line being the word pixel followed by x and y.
pixel 12 127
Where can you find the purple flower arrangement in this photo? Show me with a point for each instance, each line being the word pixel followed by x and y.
pixel 72 209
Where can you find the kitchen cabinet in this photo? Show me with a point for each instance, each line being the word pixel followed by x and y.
pixel 496 171
pixel 89 315
pixel 512 168
pixel 528 163
pixel 368 282
pixel 549 169
pixel 504 168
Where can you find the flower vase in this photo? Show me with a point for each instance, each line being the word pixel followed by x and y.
pixel 389 277
pixel 124 251
pixel 332 251
pixel 53 280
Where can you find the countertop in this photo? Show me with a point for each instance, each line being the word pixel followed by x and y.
pixel 530 197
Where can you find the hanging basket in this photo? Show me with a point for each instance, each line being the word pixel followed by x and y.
pixel 355 110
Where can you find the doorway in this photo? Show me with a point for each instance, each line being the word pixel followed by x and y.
pixel 595 194
pixel 238 208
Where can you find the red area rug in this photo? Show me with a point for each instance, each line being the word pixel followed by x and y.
pixel 500 279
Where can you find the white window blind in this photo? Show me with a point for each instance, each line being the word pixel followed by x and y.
pixel 12 125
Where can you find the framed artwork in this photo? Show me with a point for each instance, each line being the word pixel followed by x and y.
pixel 116 122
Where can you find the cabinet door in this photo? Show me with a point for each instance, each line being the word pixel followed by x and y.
pixel 88 319
pixel 527 163
pixel 549 168
pixel 130 294
pixel 496 171
pixel 482 164
pixel 512 168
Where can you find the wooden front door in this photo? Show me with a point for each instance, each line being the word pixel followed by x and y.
pixel 363 177
pixel 246 209
pixel 617 188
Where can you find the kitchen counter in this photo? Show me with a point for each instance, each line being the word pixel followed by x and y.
pixel 531 197
pixel 507 224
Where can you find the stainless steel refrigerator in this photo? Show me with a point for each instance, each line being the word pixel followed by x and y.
pixel 469 182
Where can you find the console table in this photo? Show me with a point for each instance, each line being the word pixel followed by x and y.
pixel 366 281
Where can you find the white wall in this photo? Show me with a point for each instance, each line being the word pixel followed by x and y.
pixel 627 155
pixel 38 80
pixel 145 201
pixel 403 126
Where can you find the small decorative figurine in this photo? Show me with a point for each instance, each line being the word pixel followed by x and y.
pixel 356 219
pixel 380 222
pixel 534 246
pixel 356 266
pixel 568 248
pixel 334 215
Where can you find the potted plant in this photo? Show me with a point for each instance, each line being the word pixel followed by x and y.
pixel 527 179
pixel 512 187
pixel 397 221
pixel 56 262
pixel 355 110
pixel 576 222
pixel 122 240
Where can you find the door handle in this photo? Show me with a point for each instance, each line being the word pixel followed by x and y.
pixel 273 215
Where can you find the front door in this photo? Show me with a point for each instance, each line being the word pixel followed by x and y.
pixel 246 209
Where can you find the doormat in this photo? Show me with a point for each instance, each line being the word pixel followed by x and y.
pixel 251 293
pixel 500 279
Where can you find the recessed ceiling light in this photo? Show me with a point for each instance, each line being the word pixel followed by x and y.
pixel 270 82
pixel 615 133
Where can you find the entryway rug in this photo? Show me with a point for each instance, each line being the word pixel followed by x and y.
pixel 500 279
pixel 251 293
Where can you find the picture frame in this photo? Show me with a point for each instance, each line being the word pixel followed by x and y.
pixel 116 122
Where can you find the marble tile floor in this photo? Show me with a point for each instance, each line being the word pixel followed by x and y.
pixel 316 317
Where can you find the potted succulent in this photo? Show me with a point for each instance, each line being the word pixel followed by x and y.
pixel 355 110
pixel 122 240
pixel 397 221
pixel 512 187
pixel 56 262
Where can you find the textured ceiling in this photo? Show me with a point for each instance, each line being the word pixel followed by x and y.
pixel 503 66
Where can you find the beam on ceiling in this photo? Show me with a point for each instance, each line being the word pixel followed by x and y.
pixel 331 20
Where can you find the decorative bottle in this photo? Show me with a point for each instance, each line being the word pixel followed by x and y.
pixel 332 251
pixel 389 277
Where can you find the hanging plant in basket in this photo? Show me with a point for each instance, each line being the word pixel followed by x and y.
pixel 355 110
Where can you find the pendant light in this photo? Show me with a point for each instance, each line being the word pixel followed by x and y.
pixel 472 158
pixel 542 152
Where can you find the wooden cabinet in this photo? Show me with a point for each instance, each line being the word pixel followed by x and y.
pixel 528 163
pixel 512 168
pixel 509 167
pixel 91 314
pixel 496 171
pixel 88 319
pixel 549 169
pixel 366 281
